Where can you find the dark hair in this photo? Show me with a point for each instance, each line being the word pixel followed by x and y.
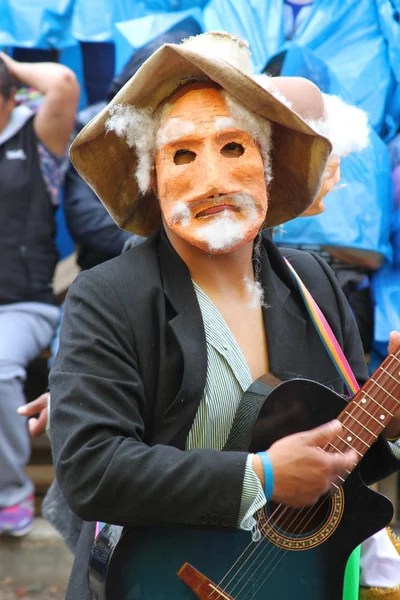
pixel 7 83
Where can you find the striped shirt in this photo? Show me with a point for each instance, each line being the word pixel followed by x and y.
pixel 228 377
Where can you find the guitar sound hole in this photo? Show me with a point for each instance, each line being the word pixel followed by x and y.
pixel 300 522
pixel 302 529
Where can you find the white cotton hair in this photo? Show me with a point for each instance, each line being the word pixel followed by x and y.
pixel 258 128
pixel 138 126
pixel 223 231
pixel 345 126
pixel 256 292
pixel 265 81
pixel 180 213
pixel 173 130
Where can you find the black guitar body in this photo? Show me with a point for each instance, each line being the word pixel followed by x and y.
pixel 305 557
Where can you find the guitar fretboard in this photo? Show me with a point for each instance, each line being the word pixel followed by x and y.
pixel 371 409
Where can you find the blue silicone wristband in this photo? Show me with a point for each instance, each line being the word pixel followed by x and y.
pixel 268 474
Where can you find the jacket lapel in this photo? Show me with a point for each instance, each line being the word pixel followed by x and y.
pixel 284 315
pixel 186 326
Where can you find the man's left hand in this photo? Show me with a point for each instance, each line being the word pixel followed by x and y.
pixel 393 429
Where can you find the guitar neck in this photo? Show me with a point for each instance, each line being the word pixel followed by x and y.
pixel 372 407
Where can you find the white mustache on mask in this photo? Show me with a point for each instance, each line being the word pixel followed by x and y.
pixel 223 230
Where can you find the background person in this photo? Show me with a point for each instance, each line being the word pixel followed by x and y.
pixel 32 152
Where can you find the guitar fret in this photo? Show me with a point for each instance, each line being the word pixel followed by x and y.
pixel 390 375
pixel 376 402
pixel 350 446
pixel 355 435
pixel 383 389
pixel 369 414
pixel 340 452
pixel 364 427
pixel 395 358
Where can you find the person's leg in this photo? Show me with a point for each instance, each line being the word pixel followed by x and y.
pixel 56 340
pixel 26 330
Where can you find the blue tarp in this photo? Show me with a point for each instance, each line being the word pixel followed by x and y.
pixel 359 211
pixel 136 33
pixel 359 42
pixel 44 24
pixel 60 23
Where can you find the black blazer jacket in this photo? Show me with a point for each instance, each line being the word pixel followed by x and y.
pixel 130 374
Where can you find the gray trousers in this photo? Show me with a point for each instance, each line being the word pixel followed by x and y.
pixel 26 329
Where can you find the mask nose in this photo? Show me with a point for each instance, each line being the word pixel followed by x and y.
pixel 213 175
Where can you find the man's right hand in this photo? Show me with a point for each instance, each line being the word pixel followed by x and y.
pixel 36 426
pixel 302 470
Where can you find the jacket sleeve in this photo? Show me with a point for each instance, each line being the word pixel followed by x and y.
pixel 98 404
pixel 381 460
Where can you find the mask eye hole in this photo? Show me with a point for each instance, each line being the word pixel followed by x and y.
pixel 232 150
pixel 183 157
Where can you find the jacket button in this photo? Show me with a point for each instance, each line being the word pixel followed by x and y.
pixel 214 519
pixel 203 519
pixel 225 521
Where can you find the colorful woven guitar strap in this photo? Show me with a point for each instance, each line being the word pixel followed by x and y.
pixel 327 336
pixel 328 339
pixel 352 574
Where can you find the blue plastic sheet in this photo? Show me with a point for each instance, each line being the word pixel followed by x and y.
pixel 359 41
pixel 139 32
pixel 44 24
pixel 61 23
pixel 359 211
pixel 386 285
pixel 136 33
pixel 260 22
pixel 94 20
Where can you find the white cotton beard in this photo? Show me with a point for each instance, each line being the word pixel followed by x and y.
pixel 180 213
pixel 223 233
pixel 225 230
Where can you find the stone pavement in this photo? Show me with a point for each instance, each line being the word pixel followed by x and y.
pixel 35 567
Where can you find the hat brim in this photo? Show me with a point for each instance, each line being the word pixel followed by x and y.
pixel 299 153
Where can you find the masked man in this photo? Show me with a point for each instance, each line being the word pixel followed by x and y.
pixel 158 346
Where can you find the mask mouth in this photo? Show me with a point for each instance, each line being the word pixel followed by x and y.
pixel 216 210
pixel 214 205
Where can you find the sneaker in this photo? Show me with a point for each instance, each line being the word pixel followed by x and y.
pixel 17 520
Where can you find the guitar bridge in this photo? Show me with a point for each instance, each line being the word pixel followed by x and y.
pixel 203 587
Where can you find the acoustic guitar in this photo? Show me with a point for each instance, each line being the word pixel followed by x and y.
pixel 301 554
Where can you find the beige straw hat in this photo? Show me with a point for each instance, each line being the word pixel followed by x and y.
pixel 299 153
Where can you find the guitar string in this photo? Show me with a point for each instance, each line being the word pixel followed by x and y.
pixel 285 510
pixel 283 551
pixel 288 508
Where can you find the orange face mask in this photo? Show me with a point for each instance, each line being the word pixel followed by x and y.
pixel 330 179
pixel 210 173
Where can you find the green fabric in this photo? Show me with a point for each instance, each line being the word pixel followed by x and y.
pixel 352 576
